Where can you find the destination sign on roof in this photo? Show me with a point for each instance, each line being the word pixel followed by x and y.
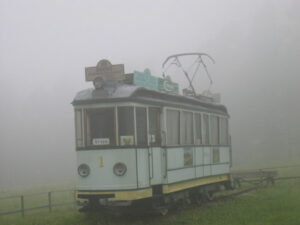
pixel 145 79
pixel 166 85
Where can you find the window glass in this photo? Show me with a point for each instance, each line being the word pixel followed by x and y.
pixel 216 155
pixel 224 131
pixel 205 129
pixel 126 125
pixel 154 126
pixel 100 127
pixel 214 122
pixel 198 133
pixel 186 128
pixel 141 126
pixel 78 128
pixel 173 127
pixel 188 156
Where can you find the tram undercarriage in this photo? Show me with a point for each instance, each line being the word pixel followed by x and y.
pixel 159 202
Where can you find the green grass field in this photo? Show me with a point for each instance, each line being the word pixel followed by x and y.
pixel 277 205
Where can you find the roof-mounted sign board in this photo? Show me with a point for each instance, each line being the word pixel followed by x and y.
pixel 166 85
pixel 145 79
pixel 105 70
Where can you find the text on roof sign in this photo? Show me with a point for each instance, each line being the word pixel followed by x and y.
pixel 145 79
pixel 105 70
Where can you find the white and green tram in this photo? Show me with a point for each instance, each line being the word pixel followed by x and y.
pixel 137 144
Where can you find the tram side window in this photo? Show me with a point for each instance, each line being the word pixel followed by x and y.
pixel 223 131
pixel 205 129
pixel 214 121
pixel 216 155
pixel 186 125
pixel 126 125
pixel 154 126
pixel 173 126
pixel 198 133
pixel 78 128
pixel 141 126
pixel 100 127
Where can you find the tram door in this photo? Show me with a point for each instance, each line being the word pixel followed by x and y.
pixel 155 155
pixel 142 150
pixel 148 146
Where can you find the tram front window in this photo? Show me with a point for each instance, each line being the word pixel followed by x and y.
pixel 100 127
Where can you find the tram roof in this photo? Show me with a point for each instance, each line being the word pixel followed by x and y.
pixel 134 93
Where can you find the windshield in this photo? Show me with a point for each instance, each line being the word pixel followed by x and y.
pixel 118 126
pixel 100 127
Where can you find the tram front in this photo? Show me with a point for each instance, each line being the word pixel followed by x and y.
pixel 112 143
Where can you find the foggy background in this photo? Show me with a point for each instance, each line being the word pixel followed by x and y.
pixel 45 46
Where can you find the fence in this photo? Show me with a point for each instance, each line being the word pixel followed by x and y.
pixel 50 205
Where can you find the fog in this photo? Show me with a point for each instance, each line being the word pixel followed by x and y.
pixel 45 46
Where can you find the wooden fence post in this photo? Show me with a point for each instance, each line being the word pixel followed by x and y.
pixel 49 201
pixel 22 206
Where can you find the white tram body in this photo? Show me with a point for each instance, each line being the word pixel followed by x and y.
pixel 134 143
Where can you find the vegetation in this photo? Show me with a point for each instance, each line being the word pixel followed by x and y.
pixel 277 205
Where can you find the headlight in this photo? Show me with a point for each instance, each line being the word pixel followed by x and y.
pixel 120 169
pixel 84 170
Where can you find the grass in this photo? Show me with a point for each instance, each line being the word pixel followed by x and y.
pixel 274 206
pixel 34 198
pixel 277 205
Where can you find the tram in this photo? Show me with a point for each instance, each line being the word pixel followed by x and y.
pixel 138 139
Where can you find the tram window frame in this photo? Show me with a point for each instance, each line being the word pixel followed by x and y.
pixel 224 131
pixel 216 156
pixel 171 137
pixel 186 126
pixel 198 128
pixel 128 134
pixel 79 137
pixel 214 129
pixel 102 141
pixel 141 126
pixel 154 121
pixel 205 129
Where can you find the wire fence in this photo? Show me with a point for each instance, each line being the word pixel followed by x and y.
pixel 48 196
